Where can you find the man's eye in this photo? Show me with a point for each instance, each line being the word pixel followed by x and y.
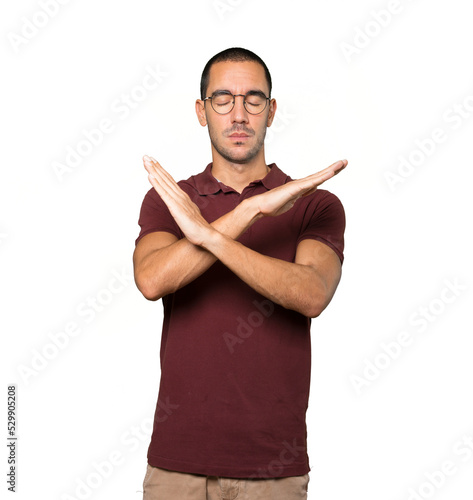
pixel 222 100
pixel 254 101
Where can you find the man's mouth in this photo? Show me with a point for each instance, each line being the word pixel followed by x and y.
pixel 239 135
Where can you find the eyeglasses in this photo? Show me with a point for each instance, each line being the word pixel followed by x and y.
pixel 255 102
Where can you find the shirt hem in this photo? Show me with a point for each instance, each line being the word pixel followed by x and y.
pixel 274 470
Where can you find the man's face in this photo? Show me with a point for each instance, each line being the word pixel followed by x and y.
pixel 237 136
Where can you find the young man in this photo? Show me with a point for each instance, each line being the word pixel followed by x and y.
pixel 243 257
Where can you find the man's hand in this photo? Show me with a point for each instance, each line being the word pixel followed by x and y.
pixel 282 198
pixel 185 212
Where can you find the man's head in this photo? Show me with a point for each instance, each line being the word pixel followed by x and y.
pixel 235 54
pixel 237 134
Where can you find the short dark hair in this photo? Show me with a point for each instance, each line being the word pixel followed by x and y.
pixel 235 54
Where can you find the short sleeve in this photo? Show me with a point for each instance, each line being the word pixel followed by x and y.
pixel 324 221
pixel 155 216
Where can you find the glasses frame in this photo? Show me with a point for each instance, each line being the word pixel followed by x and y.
pixel 251 92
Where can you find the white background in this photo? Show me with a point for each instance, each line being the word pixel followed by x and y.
pixel 63 237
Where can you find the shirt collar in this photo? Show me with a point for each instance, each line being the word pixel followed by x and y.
pixel 206 183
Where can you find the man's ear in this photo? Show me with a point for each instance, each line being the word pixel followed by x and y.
pixel 200 111
pixel 272 111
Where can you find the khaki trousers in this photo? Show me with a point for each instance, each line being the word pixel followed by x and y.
pixel 162 484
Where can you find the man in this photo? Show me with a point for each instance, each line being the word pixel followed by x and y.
pixel 243 257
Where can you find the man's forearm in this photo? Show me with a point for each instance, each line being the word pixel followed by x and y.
pixel 168 269
pixel 291 285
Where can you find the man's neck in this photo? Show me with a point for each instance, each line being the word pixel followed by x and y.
pixel 239 175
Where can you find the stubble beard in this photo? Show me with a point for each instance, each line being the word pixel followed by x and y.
pixel 234 156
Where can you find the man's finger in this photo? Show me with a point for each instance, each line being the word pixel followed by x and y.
pixel 325 174
pixel 157 186
pixel 165 185
pixel 161 175
pixel 313 181
pixel 159 168
pixel 157 180
pixel 335 168
pixel 153 167
pixel 343 164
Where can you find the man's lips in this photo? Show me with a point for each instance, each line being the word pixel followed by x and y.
pixel 239 137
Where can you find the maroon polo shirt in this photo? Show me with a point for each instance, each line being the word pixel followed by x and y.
pixel 235 367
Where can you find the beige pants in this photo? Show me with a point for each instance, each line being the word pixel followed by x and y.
pixel 162 484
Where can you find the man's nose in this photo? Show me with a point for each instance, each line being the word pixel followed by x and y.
pixel 239 113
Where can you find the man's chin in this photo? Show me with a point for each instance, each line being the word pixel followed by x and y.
pixel 239 159
pixel 238 155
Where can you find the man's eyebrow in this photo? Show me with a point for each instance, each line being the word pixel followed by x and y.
pixel 256 92
pixel 250 92
pixel 221 91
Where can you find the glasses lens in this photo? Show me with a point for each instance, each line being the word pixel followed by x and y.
pixel 222 103
pixel 255 103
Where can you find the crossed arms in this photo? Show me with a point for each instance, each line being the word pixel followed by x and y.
pixel 164 263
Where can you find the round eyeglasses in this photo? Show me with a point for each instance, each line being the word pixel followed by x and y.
pixel 255 102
